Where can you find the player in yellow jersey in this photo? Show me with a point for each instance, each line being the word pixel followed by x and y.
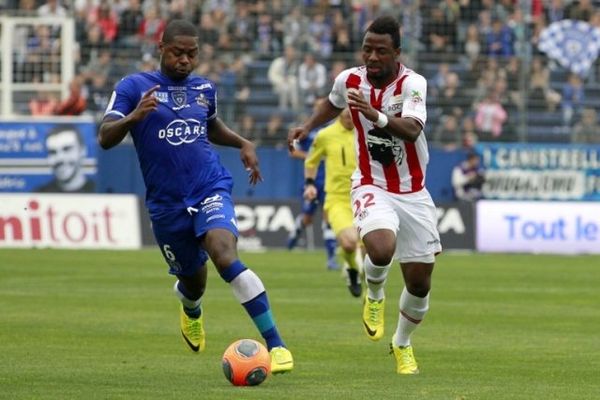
pixel 335 144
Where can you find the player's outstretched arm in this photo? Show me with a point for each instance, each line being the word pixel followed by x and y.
pixel 221 134
pixel 325 113
pixel 112 131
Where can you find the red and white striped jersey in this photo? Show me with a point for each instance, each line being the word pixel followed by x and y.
pixel 384 160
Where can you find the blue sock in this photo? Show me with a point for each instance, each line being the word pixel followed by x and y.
pixel 299 224
pixel 330 242
pixel 250 292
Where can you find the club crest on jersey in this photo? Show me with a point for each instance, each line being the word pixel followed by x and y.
pixel 416 97
pixel 179 98
pixel 163 97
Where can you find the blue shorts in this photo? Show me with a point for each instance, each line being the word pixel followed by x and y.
pixel 178 232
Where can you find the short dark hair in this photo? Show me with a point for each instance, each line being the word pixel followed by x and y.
pixel 179 27
pixel 60 128
pixel 387 25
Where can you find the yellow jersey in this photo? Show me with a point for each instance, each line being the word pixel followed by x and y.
pixel 336 145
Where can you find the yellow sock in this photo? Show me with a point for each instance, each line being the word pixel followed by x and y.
pixel 350 258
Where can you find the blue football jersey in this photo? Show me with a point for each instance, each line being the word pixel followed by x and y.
pixel 178 163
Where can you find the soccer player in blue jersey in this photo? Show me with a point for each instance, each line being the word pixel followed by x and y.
pixel 171 115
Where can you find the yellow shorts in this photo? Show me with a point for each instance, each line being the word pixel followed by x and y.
pixel 339 212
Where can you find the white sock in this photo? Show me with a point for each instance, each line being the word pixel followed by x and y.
pixel 412 311
pixel 376 276
pixel 187 303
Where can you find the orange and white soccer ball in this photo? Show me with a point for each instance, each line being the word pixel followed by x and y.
pixel 246 362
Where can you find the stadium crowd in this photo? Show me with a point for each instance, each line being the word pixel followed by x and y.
pixel 272 58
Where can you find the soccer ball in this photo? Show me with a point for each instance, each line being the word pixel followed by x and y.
pixel 246 362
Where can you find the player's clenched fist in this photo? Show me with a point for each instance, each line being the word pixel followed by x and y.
pixel 295 134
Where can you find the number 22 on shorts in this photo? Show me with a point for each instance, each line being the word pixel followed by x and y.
pixel 361 204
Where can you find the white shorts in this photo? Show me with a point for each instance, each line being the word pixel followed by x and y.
pixel 412 217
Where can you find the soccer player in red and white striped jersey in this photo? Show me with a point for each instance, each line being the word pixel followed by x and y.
pixel 393 211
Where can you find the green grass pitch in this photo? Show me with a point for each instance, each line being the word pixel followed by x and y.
pixel 104 325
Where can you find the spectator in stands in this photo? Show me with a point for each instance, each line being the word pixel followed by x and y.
pixel 451 11
pixel 496 9
pixel 243 91
pixel 296 29
pixel 207 65
pixel 52 8
pixel 472 46
pixel 247 129
pixel 92 45
pixel 319 31
pixel 336 68
pixel 147 64
pixel 266 36
pixel 469 10
pixel 447 134
pixel 276 133
pixel 439 81
pixel 312 78
pixel 488 69
pixel 517 27
pixel 499 42
pixel 106 19
pixel 283 75
pixel 151 30
pixel 469 135
pixel 512 75
pixel 129 24
pixel 587 130
pixel 484 23
pixel 102 64
pixel 490 117
pixel 555 11
pixel 98 94
pixel 580 9
pixel 42 57
pixel 450 98
pixel 242 28
pixel 75 103
pixel 468 178
pixel 209 32
pixel 540 92
pixel 440 34
pixel 340 34
pixel 66 155
pixel 572 99
pixel 43 103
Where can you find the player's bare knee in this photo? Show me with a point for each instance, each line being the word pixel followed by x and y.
pixel 380 255
pixel 419 290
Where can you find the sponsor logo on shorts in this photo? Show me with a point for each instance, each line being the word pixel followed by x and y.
pixel 363 214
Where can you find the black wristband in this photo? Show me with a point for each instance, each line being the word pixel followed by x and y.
pixel 309 181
